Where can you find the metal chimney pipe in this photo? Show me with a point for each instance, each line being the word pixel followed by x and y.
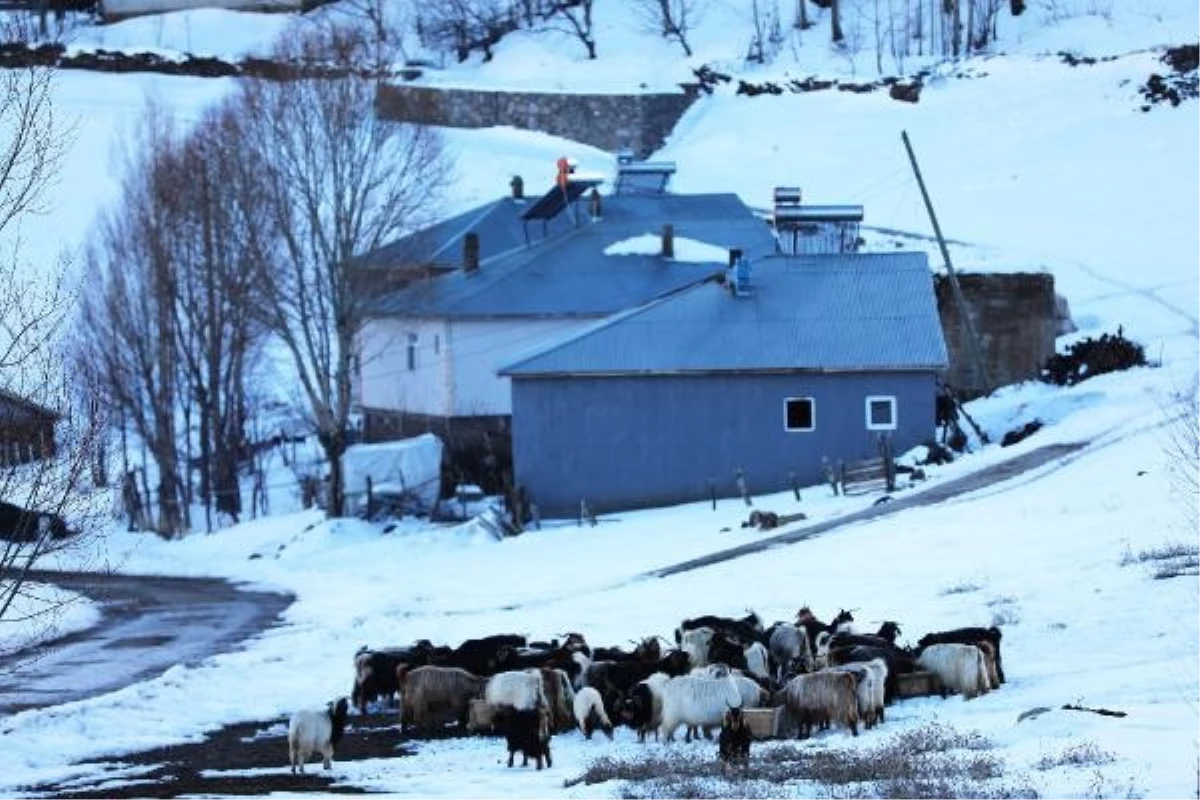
pixel 471 252
pixel 668 240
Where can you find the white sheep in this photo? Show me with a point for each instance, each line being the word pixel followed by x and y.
pixel 589 712
pixel 696 701
pixel 960 668
pixel 518 689
pixel 316 731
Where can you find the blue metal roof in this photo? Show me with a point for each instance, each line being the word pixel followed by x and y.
pixel 863 311
pixel 568 274
pixel 498 224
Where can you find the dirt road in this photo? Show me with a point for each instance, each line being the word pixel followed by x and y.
pixel 148 625
pixel 934 494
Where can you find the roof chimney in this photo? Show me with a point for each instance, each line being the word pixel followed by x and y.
pixel 668 240
pixel 471 252
pixel 735 253
pixel 741 275
pixel 518 187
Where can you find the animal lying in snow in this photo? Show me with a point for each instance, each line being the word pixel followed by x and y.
pixel 313 731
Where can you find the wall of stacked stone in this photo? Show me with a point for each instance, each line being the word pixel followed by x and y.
pixel 609 122
pixel 1015 317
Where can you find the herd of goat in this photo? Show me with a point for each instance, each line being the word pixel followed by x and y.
pixel 819 674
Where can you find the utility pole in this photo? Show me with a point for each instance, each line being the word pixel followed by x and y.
pixel 963 311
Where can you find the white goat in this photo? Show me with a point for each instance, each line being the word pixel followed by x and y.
pixel 819 698
pixel 432 696
pixel 989 663
pixel 695 643
pixel 757 660
pixel 517 689
pixel 790 650
pixel 589 712
pixel 870 676
pixel 751 691
pixel 696 701
pixel 960 668
pixel 584 661
pixel 316 731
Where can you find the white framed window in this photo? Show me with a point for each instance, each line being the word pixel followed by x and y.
pixel 799 414
pixel 881 413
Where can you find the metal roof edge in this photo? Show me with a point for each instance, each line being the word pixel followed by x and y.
pixel 602 324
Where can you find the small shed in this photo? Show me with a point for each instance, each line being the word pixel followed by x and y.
pixel 26 430
pixel 761 381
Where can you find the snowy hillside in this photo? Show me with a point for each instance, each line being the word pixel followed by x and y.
pixel 1033 164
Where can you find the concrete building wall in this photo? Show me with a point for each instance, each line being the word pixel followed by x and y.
pixel 1015 320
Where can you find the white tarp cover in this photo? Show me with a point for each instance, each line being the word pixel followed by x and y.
pixel 404 466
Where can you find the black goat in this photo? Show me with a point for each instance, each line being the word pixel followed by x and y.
pixel 733 744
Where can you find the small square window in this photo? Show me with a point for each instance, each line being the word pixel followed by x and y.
pixel 799 414
pixel 881 413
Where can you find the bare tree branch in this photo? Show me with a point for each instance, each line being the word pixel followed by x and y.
pixel 334 181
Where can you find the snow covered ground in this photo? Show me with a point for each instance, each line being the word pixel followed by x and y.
pixel 1035 164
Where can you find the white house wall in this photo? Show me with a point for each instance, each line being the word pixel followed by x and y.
pixel 481 347
pixel 386 380
pixel 455 362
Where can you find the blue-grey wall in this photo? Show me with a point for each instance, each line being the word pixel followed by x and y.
pixel 625 442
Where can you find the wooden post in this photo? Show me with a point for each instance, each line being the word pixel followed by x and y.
pixel 963 311
pixel 740 477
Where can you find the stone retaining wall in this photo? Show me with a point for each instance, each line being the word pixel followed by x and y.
pixel 609 122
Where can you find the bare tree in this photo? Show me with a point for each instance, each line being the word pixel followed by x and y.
pixel 386 22
pixel 672 19
pixel 467 25
pixel 575 16
pixel 333 181
pixel 129 311
pixel 216 333
pixel 42 481
pixel 835 21
pixel 1182 448
pixel 801 20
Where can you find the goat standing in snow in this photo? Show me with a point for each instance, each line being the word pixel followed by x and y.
pixel 316 731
